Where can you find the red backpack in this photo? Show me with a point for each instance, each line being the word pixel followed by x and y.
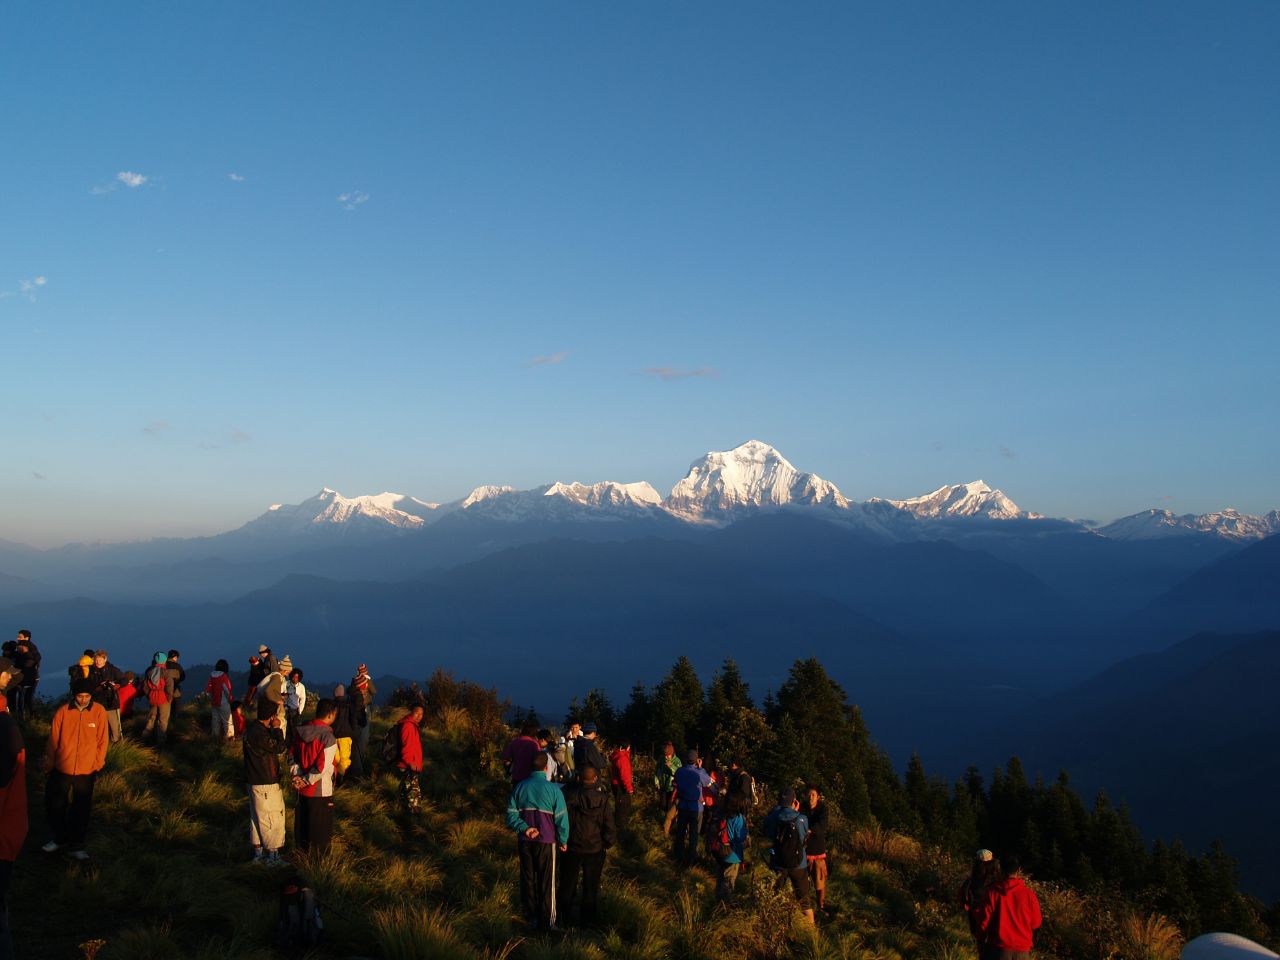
pixel 718 844
pixel 156 684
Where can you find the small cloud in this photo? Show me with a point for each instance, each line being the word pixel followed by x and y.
pixel 27 289
pixel 549 360
pixel 235 178
pixel 239 436
pixel 353 199
pixel 157 427
pixel 1007 453
pixel 671 374
pixel 38 476
pixel 130 179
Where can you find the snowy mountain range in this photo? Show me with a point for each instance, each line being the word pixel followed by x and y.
pixel 719 488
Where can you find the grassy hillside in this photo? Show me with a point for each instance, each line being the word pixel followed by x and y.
pixel 170 877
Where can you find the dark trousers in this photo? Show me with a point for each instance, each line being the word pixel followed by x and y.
pixel 538 882
pixel 590 865
pixel 67 802
pixel 688 826
pixel 313 825
pixel 6 935
pixel 24 698
pixel 621 808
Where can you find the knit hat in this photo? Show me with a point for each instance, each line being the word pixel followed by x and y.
pixel 160 657
pixel 263 648
pixel 984 856
pixel 286 663
pixel 82 685
pixel 590 728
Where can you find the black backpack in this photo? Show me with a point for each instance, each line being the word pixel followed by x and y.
pixel 391 745
pixel 788 851
pixel 299 924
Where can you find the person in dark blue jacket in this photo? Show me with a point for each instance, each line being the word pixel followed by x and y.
pixel 690 780
pixel 537 813
pixel 788 829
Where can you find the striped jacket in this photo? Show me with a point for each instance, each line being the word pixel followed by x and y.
pixel 537 802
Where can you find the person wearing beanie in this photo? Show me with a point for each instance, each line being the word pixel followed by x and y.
pixel 361 685
pixel 788 831
pixel 75 752
pixel 80 669
pixel 218 688
pixel 274 687
pixel 179 675
pixel 13 801
pixel 689 781
pixel 157 685
pixel 264 744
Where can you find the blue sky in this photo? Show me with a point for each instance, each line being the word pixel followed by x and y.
pixel 906 244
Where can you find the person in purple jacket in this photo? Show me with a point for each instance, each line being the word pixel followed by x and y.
pixel 538 815
pixel 519 753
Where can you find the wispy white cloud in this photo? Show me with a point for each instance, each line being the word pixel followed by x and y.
pixel 549 360
pixel 671 374
pixel 353 199
pixel 235 177
pixel 128 178
pixel 157 427
pixel 27 289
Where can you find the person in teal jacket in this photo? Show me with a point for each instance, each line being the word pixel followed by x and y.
pixel 536 812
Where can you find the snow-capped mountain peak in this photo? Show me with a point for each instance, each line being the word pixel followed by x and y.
pixel 329 508
pixel 1156 524
pixel 962 500
pixel 486 492
pixel 607 493
pixel 753 474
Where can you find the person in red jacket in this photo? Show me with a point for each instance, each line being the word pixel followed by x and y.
pixel 620 763
pixel 410 762
pixel 13 802
pixel 1008 916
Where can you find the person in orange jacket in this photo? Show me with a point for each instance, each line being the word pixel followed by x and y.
pixel 76 751
pixel 13 802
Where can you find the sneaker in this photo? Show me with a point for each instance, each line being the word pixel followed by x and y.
pixel 275 860
pixel 80 855
pixel 53 846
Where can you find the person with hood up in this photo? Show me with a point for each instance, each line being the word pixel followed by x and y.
pixel 13 803
pixel 76 751
pixel 264 744
pixel 107 679
pixel 788 829
pixel 536 812
pixel 219 689
pixel 157 685
pixel 591 833
pixel 313 750
pixel 1009 916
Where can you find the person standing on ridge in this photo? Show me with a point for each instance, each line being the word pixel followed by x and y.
pixel 518 754
pixel 107 678
pixel 982 877
pixel 787 828
pixel 410 762
pixel 28 663
pixel 537 813
pixel 591 834
pixel 728 845
pixel 157 684
pixel 689 782
pixel 219 690
pixel 264 745
pixel 13 803
pixel 273 690
pixel 361 685
pixel 76 751
pixel 586 751
pixel 295 698
pixel 620 780
pixel 547 744
pixel 179 677
pixel 312 752
pixel 663 781
pixel 815 848
pixel 1009 916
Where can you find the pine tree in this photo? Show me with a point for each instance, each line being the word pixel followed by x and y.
pixel 636 719
pixel 677 706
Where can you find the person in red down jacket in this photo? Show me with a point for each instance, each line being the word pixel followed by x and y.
pixel 620 779
pixel 127 691
pixel 1008 916
pixel 410 762
pixel 13 802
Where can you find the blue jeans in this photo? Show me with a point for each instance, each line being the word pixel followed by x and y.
pixel 688 828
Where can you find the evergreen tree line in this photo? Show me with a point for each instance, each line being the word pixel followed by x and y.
pixel 809 732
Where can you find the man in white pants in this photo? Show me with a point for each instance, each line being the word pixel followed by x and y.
pixel 263 746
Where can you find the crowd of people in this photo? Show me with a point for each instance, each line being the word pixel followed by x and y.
pixel 570 800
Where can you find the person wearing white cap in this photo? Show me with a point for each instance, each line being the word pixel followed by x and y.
pixel 982 875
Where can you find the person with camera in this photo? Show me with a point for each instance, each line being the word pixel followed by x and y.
pixel 264 745
pixel 107 678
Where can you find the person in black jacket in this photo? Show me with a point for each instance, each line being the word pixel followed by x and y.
pixel 351 718
pixel 28 663
pixel 591 833
pixel 106 678
pixel 815 846
pixel 586 751
pixel 263 746
pixel 179 676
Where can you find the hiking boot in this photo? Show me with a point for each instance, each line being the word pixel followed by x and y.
pixel 53 846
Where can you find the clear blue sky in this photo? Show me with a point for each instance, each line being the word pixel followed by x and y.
pixel 915 243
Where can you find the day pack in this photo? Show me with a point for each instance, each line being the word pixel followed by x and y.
pixel 718 844
pixel 391 745
pixel 788 851
pixel 156 681
pixel 299 924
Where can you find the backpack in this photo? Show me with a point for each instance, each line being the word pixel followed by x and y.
pixel 788 851
pixel 299 924
pixel 156 681
pixel 391 745
pixel 718 844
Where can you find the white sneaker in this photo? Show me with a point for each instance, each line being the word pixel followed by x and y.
pixel 51 847
pixel 79 855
